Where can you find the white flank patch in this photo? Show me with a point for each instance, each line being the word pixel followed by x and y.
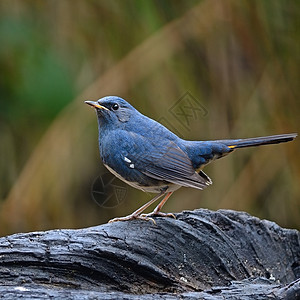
pixel 127 159
pixel 131 166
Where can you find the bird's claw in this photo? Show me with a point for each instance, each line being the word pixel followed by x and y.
pixel 133 217
pixel 158 214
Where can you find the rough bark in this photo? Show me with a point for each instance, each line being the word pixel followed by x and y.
pixel 201 255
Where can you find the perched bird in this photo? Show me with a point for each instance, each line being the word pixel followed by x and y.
pixel 146 155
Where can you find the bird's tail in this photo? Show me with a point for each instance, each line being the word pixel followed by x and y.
pixel 264 140
pixel 203 152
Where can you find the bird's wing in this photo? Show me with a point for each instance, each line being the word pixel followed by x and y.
pixel 165 160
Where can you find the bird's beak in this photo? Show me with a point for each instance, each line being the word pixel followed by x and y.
pixel 95 104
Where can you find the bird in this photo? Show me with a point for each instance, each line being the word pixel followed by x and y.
pixel 146 155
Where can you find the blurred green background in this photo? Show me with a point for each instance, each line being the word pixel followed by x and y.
pixel 239 59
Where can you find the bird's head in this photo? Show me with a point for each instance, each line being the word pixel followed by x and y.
pixel 112 110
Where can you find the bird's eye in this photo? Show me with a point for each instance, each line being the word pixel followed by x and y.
pixel 115 106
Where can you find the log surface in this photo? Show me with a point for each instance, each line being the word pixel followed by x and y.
pixel 201 255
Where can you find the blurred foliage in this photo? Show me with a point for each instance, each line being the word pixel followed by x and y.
pixel 240 59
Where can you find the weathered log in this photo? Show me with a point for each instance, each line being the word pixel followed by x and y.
pixel 201 254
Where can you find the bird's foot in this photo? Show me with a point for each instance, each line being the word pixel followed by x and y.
pixel 133 217
pixel 158 214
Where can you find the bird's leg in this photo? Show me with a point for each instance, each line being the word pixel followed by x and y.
pixel 157 212
pixel 137 214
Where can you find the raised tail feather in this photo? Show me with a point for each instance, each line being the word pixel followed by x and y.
pixel 264 140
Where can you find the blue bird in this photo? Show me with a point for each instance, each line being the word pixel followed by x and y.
pixel 146 155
